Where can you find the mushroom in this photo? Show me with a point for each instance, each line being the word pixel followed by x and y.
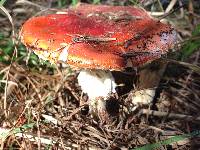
pixel 98 39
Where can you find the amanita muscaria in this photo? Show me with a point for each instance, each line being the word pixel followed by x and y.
pixel 98 39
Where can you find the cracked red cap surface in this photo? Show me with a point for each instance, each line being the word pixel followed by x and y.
pixel 98 37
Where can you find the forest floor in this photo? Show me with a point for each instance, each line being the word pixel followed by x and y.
pixel 40 103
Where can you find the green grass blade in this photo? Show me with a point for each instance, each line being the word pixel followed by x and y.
pixel 23 128
pixel 192 44
pixel 96 1
pixel 2 2
pixel 74 2
pixel 168 141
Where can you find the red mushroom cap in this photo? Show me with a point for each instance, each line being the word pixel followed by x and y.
pixel 98 37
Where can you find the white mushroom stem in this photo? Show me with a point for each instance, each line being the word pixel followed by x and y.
pixel 141 97
pixel 148 81
pixel 98 84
